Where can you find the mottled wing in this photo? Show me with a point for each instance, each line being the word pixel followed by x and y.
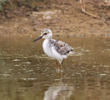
pixel 61 47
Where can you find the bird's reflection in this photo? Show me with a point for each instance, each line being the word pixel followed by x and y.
pixel 59 91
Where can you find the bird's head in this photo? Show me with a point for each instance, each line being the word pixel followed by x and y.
pixel 45 33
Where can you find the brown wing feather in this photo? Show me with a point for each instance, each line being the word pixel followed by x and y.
pixel 61 47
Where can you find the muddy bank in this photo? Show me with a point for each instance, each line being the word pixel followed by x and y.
pixel 65 18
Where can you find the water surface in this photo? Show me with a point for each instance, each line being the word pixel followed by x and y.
pixel 26 73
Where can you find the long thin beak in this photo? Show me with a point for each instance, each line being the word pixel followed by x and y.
pixel 38 39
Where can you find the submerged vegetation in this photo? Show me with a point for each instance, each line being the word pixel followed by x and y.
pixel 18 3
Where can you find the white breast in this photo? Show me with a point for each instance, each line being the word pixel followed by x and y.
pixel 50 51
pixel 46 48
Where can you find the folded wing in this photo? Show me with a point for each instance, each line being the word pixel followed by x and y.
pixel 61 47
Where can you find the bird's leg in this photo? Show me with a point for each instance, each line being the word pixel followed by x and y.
pixel 57 66
pixel 59 69
pixel 61 66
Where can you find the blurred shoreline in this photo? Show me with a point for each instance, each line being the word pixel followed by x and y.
pixel 64 18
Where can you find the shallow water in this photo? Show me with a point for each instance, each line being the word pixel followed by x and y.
pixel 26 73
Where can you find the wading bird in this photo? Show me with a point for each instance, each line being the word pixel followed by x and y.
pixel 53 48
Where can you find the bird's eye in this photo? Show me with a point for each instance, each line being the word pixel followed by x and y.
pixel 45 33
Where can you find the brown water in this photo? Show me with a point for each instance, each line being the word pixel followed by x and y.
pixel 26 73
